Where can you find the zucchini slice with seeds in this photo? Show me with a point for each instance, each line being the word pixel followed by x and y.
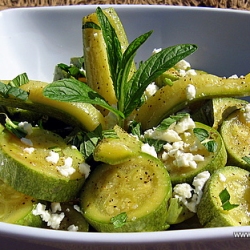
pixel 26 169
pixel 16 207
pixel 211 210
pixel 136 192
pixel 235 133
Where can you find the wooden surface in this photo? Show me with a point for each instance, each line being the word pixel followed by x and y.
pixel 233 4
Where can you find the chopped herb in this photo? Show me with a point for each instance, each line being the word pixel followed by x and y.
pixel 203 136
pixel 166 123
pixel 225 200
pixel 12 88
pixel 119 220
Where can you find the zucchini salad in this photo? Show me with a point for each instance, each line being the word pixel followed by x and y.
pixel 115 146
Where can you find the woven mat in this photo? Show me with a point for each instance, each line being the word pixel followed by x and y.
pixel 233 4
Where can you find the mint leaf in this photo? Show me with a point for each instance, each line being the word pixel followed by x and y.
pixel 201 134
pixel 151 69
pixel 225 200
pixel 211 146
pixel 119 220
pixel 12 88
pixel 122 86
pixel 167 122
pixel 91 25
pixel 19 80
pixel 113 46
pixel 72 90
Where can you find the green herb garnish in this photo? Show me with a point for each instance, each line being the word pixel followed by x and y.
pixel 119 220
pixel 204 137
pixel 128 92
pixel 12 88
pixel 225 200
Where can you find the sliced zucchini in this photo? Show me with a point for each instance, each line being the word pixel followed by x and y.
pixel 172 99
pixel 212 159
pixel 16 207
pixel 235 132
pixel 218 210
pixel 127 197
pixel 95 54
pixel 25 168
pixel 216 110
pixel 117 150
pixel 83 115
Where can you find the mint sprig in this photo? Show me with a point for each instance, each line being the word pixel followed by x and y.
pixel 128 92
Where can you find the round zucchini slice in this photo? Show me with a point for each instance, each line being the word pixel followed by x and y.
pixel 213 158
pixel 226 199
pixel 29 170
pixel 16 207
pixel 127 197
pixel 235 133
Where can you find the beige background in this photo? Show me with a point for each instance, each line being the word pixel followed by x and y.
pixel 233 4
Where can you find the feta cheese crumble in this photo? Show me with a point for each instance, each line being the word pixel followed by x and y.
pixel 190 91
pixel 151 89
pixel 182 153
pixel 26 126
pixel 84 168
pixel 29 150
pixel 191 196
pixel 52 219
pixel 146 148
pixel 72 228
pixel 246 113
pixel 66 169
pixel 53 157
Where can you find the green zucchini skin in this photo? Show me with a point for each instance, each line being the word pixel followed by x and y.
pixel 16 207
pixel 18 171
pixel 235 133
pixel 210 211
pixel 172 99
pixel 141 186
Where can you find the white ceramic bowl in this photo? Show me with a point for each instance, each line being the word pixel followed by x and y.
pixel 34 40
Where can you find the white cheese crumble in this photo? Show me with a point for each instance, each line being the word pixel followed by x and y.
pixel 29 150
pixel 151 89
pixel 66 169
pixel 55 206
pixel 26 141
pixel 72 228
pixel 53 220
pixel 77 208
pixel 182 153
pixel 246 113
pixel 183 64
pixel 53 157
pixel 190 91
pixel 155 51
pixel 146 148
pixel 84 168
pixel 26 126
pixel 188 195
